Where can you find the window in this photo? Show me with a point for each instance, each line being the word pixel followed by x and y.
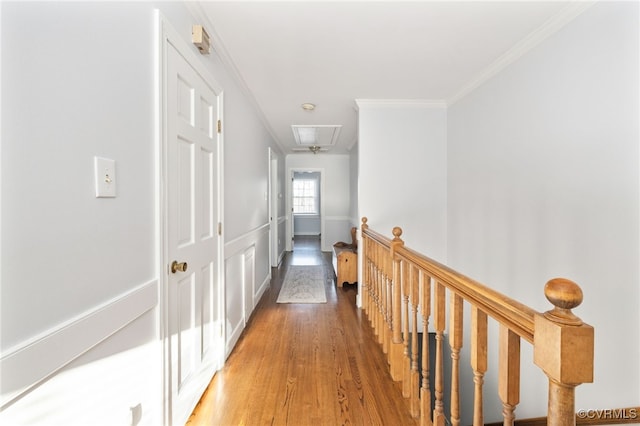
pixel 305 196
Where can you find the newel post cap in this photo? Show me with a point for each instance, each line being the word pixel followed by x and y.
pixel 397 241
pixel 564 295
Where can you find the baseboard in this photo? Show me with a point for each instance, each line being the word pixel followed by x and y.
pixel 233 338
pixel 263 287
pixel 608 416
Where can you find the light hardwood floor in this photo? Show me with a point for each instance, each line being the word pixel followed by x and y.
pixel 298 364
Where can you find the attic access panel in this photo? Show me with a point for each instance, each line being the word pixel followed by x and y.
pixel 316 135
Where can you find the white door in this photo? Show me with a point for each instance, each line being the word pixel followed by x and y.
pixel 273 208
pixel 193 295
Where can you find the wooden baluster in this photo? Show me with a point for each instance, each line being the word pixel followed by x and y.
pixel 425 391
pixel 378 292
pixel 385 297
pixel 391 283
pixel 364 281
pixel 372 286
pixel 369 276
pixel 399 282
pixel 380 317
pixel 385 318
pixel 439 325
pixel 563 349
pixel 455 341
pixel 415 374
pixel 509 373
pixel 389 306
pixel 369 289
pixel 384 294
pixel 376 289
pixel 381 293
pixel 478 360
pixel 406 360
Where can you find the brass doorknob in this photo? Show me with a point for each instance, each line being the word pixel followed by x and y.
pixel 178 266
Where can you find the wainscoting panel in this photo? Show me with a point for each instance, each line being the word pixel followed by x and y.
pixel 246 265
pixel 282 236
pixel 30 363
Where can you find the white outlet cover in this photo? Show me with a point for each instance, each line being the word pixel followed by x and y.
pixel 105 177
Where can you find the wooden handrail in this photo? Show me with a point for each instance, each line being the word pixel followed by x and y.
pixel 511 313
pixel 395 281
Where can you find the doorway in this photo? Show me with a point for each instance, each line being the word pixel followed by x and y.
pixel 189 214
pixel 306 205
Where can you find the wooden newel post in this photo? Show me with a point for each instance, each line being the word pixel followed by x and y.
pixel 563 349
pixel 397 348
pixel 364 279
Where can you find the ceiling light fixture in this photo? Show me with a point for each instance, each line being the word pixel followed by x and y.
pixel 314 149
pixel 308 106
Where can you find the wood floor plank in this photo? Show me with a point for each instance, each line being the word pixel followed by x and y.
pixel 296 364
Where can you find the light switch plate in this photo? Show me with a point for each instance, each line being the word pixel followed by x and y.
pixel 105 177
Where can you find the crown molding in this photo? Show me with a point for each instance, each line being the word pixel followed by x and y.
pixel 546 30
pixel 400 103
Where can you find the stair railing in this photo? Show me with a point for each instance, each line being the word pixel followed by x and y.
pixel 399 282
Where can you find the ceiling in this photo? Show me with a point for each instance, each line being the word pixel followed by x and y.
pixel 332 53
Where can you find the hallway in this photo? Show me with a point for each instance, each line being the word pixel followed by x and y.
pixel 299 364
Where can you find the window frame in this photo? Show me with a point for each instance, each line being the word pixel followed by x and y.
pixel 315 197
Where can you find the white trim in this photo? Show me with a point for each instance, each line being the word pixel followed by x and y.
pixel 50 351
pixel 339 218
pixel 289 203
pixel 266 283
pixel 233 337
pixel 546 30
pixel 400 103
pixel 235 246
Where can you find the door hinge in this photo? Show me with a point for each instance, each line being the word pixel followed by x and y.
pixel 219 228
pixel 219 126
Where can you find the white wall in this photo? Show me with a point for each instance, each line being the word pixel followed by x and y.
pixel 306 225
pixel 353 185
pixel 70 260
pixel 543 182
pixel 402 171
pixel 539 178
pixel 79 275
pixel 336 196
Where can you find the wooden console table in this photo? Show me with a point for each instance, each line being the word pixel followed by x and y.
pixel 345 265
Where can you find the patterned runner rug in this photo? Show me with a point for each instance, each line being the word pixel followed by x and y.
pixel 303 284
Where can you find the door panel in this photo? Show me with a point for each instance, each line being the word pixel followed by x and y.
pixel 192 216
pixel 184 195
pixel 185 329
pixel 206 309
pixel 207 193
